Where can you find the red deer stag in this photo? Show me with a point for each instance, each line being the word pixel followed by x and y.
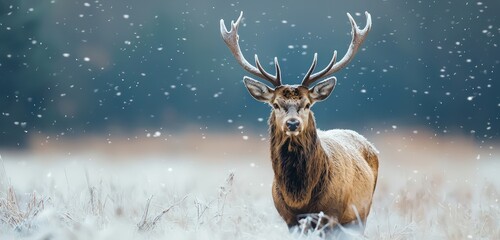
pixel 335 171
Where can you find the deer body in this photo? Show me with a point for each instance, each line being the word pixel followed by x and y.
pixel 328 171
pixel 334 172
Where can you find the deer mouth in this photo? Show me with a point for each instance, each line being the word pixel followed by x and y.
pixel 292 133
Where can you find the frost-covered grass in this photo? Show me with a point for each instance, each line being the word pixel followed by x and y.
pixel 424 192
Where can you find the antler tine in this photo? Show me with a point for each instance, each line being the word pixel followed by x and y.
pixel 278 70
pixel 309 72
pixel 275 80
pixel 308 80
pixel 231 39
pixel 358 37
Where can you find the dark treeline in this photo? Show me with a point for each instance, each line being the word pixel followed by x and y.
pixel 70 68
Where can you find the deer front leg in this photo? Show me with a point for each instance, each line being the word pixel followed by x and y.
pixel 289 217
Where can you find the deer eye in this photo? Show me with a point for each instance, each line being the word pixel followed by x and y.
pixel 276 106
pixel 308 106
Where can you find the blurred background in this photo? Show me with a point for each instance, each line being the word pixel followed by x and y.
pixel 123 70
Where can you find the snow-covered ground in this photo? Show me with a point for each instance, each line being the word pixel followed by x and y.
pixel 426 190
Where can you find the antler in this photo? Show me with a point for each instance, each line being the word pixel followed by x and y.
pixel 358 36
pixel 231 40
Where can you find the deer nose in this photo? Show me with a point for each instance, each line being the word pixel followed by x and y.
pixel 292 124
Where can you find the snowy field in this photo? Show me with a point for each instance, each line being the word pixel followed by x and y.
pixel 428 188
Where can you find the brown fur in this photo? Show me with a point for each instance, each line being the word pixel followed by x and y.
pixel 334 172
pixel 319 171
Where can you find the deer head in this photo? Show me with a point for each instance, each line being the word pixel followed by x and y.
pixel 291 103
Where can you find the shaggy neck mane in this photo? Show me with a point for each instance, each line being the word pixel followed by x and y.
pixel 297 162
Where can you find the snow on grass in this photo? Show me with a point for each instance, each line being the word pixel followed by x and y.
pixel 74 197
pixel 151 199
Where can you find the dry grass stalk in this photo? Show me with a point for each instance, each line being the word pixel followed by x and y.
pixel 147 223
pixel 97 205
pixel 223 192
pixel 201 209
pixel 13 215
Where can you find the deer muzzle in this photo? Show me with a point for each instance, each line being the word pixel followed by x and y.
pixel 293 126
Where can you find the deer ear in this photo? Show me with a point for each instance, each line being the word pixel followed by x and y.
pixel 259 91
pixel 323 89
